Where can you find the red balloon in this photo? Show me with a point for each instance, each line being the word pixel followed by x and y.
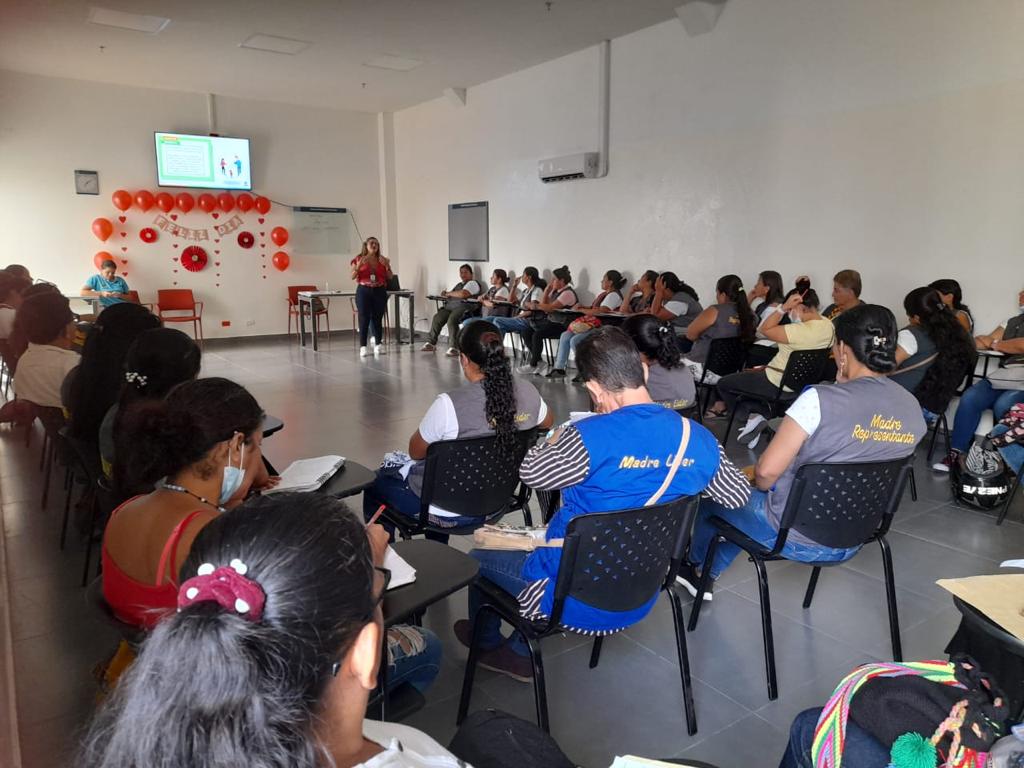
pixel 122 200
pixel 144 199
pixel 207 202
pixel 281 261
pixel 244 202
pixel 148 235
pixel 262 204
pixel 165 202
pixel 100 257
pixel 102 228
pixel 225 201
pixel 185 202
pixel 279 235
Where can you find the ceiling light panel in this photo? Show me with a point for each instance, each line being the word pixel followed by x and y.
pixel 275 44
pixel 136 22
pixel 396 63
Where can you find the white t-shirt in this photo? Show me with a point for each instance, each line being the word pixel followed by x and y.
pixel 806 411
pixel 41 371
pixel 406 747
pixel 676 307
pixel 472 287
pixel 527 295
pixel 907 341
pixel 567 296
pixel 768 312
pixel 501 293
pixel 612 300
pixel 6 321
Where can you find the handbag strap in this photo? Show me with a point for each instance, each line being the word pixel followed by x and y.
pixel 927 361
pixel 684 440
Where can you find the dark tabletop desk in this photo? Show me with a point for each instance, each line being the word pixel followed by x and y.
pixel 351 479
pixel 440 571
pixel 271 425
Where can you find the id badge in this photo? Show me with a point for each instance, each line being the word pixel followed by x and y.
pixel 373 278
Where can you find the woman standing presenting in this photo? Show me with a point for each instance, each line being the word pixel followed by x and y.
pixel 371 271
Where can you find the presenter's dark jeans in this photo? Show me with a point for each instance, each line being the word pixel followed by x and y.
pixel 534 335
pixel 371 304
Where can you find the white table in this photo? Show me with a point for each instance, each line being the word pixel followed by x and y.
pixel 93 301
pixel 306 298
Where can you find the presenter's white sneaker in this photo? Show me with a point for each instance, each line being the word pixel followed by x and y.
pixel 378 349
pixel 452 352
pixel 428 347
pixel 362 351
pixel 527 369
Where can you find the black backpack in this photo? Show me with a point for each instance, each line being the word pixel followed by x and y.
pixel 490 738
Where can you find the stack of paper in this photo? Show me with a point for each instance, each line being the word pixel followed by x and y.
pixel 629 761
pixel 401 572
pixel 308 474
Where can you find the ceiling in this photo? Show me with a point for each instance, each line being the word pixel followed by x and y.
pixel 460 42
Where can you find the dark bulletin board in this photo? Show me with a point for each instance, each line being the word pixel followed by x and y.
pixel 468 232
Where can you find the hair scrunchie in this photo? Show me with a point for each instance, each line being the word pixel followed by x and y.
pixel 226 586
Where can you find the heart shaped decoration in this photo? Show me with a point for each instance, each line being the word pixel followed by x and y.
pixel 261 219
pixel 124 261
pixel 215 215
pixel 174 270
pixel 216 251
pixel 124 274
pixel 262 234
pixel 174 259
pixel 218 274
pixel 174 217
pixel 217 284
pixel 264 277
pixel 175 282
pixel 216 263
pixel 216 239
pixel 122 219
pixel 124 247
pixel 124 234
pixel 174 245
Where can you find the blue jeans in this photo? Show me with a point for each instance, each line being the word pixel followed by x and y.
pixel 504 568
pixel 509 324
pixel 389 488
pixel 861 750
pixel 973 402
pixel 752 519
pixel 1012 453
pixel 567 342
pixel 416 669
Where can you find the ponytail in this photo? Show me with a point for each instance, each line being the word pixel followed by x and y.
pixel 732 287
pixel 616 279
pixel 654 339
pixel 481 344
pixel 671 281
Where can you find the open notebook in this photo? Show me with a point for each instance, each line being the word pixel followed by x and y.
pixel 401 572
pixel 308 474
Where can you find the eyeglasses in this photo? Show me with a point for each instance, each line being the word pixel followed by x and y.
pixel 386 574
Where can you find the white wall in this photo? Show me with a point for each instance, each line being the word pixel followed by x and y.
pixel 800 135
pixel 300 155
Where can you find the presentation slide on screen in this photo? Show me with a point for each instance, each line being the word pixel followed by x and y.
pixel 210 162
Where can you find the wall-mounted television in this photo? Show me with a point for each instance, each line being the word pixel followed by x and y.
pixel 205 162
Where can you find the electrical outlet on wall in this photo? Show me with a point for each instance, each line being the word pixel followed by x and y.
pixel 250 323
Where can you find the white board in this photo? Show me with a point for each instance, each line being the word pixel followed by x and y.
pixel 317 231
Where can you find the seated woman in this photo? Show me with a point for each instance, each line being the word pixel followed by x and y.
pixel 48 326
pixel 640 296
pixel 156 362
pixel 92 387
pixel 669 381
pixel 560 294
pixel 1003 388
pixel 846 288
pixel 953 297
pixel 453 310
pixel 270 658
pixel 585 462
pixel 526 298
pixel 806 330
pixel 768 294
pixel 821 426
pixel 493 401
pixel 675 302
pixel 608 300
pixel 498 292
pixel 106 286
pixel 933 353
pixel 1008 437
pixel 730 318
pixel 11 287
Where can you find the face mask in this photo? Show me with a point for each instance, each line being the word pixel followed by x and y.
pixel 795 318
pixel 233 477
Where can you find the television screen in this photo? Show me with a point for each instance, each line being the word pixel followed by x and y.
pixel 207 162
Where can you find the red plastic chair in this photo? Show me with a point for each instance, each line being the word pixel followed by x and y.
pixel 293 309
pixel 181 300
pixel 133 297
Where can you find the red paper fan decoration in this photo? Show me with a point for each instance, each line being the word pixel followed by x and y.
pixel 193 258
pixel 147 235
pixel 245 239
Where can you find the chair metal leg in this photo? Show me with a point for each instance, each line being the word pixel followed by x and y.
pixel 732 418
pixel 42 455
pixel 931 442
pixel 67 516
pixel 945 434
pixel 705 577
pixel 890 595
pixel 1009 499
pixel 50 451
pixel 470 673
pixel 540 692
pixel 809 595
pixel 595 652
pixel 766 629
pixel 913 485
pixel 684 661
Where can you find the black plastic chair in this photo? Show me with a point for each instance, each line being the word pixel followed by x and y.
pixel 52 420
pixel 804 367
pixel 1009 499
pixel 725 356
pixel 469 477
pixel 613 561
pixel 998 642
pixel 836 505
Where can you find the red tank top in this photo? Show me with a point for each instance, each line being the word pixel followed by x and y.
pixel 135 602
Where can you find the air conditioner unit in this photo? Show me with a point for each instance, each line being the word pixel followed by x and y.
pixel 582 165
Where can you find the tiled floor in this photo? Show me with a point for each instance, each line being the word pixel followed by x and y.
pixel 332 402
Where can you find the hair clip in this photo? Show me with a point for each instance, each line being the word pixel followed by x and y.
pixel 135 378
pixel 662 329
pixel 878 341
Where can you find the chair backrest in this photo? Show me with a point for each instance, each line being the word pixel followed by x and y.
pixel 133 296
pixel 725 356
pixel 293 292
pixel 845 505
pixel 617 561
pixel 804 367
pixel 175 299
pixel 472 477
pixel 85 456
